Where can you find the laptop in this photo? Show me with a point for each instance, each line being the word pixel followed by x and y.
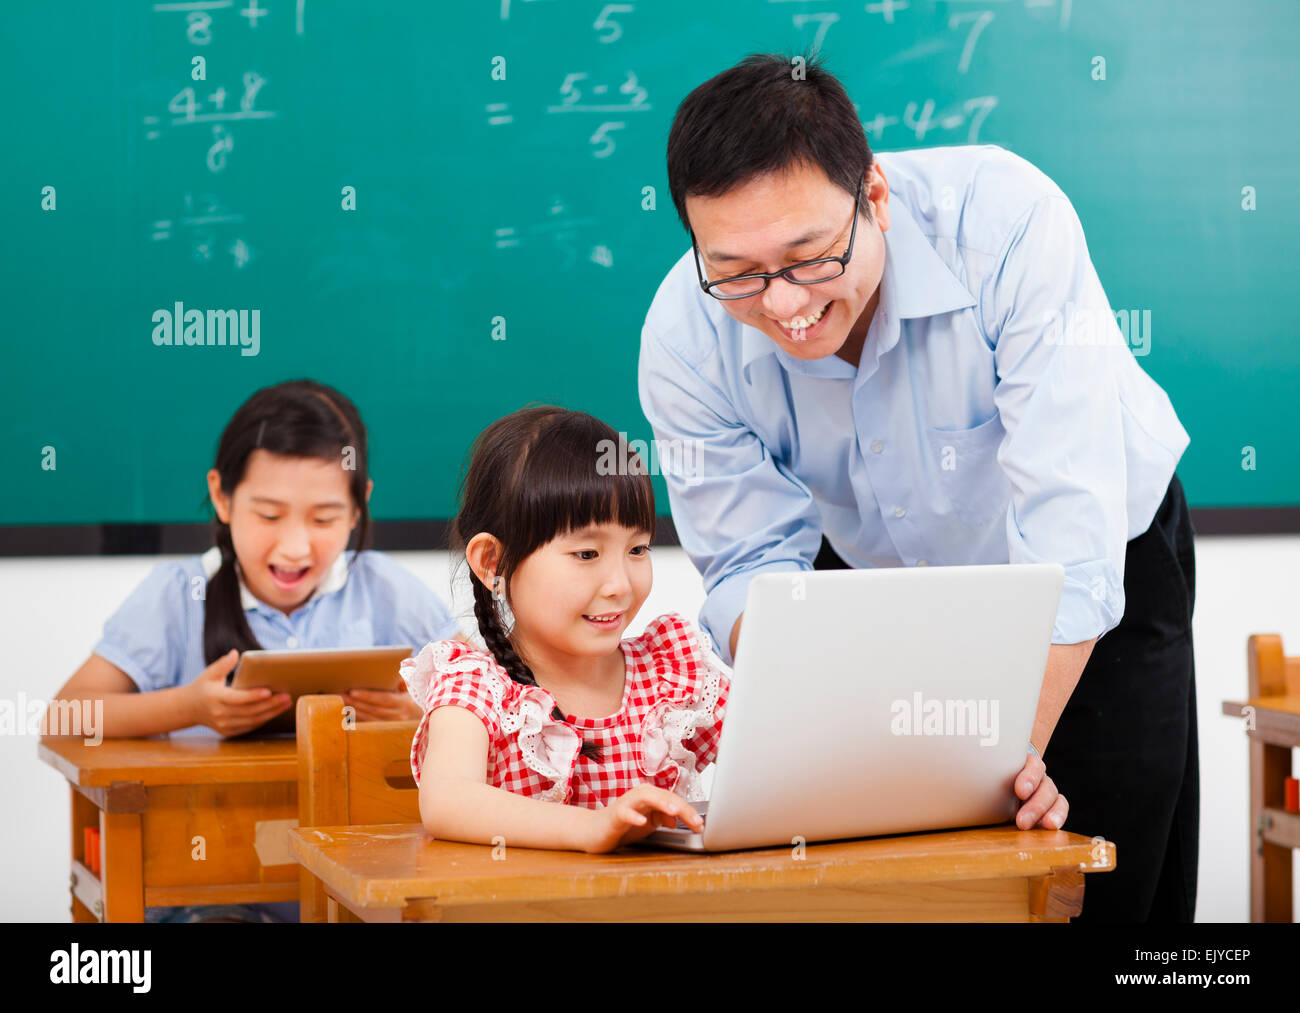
pixel 882 701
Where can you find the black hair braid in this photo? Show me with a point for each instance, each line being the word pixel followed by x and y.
pixel 225 624
pixel 489 625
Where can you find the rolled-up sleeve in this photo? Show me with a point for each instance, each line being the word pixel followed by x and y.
pixel 738 511
pixel 1057 356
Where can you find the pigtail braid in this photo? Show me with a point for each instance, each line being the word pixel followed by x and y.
pixel 498 643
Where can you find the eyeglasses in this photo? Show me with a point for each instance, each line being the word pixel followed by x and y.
pixel 807 272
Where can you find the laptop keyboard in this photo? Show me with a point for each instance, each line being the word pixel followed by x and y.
pixel 681 828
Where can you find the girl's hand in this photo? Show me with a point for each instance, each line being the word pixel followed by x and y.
pixel 231 711
pixel 383 705
pixel 636 814
pixel 1044 806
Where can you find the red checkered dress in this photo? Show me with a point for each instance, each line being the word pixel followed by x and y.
pixel 665 733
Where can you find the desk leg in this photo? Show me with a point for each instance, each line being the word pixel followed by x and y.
pixel 84 814
pixel 123 874
pixel 311 898
pixel 1270 864
pixel 1056 897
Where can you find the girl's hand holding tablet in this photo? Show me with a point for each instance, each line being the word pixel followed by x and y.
pixel 229 711
pixel 383 705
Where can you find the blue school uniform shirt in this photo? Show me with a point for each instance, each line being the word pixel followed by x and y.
pixel 997 413
pixel 156 636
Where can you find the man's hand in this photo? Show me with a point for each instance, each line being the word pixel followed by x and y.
pixel 1044 806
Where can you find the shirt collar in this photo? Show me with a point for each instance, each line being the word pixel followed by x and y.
pixel 916 283
pixel 334 579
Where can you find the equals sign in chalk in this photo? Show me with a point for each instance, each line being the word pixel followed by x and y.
pixel 499 114
pixel 505 238
pixel 162 230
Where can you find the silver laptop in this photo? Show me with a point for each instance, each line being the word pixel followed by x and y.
pixel 880 701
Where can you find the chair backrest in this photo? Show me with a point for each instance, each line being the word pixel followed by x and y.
pixel 349 772
pixel 1271 672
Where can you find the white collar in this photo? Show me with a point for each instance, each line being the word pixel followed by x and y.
pixel 333 580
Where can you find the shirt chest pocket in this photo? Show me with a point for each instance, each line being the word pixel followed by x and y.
pixel 969 474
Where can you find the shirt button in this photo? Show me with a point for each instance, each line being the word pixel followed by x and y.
pixel 899 512
pixel 291 642
pixel 877 447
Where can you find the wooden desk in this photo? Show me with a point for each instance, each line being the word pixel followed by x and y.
pixel 397 872
pixel 183 821
pixel 1274 831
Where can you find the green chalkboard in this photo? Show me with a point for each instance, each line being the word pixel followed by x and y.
pixel 520 200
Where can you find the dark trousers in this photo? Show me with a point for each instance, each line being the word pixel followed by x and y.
pixel 1124 753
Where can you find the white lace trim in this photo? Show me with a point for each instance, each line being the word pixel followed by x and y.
pixel 548 747
pixel 666 727
pixel 418 672
pixel 544 743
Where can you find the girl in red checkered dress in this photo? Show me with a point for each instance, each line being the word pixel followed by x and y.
pixel 555 521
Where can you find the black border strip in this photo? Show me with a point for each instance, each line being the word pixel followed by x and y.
pixel 184 539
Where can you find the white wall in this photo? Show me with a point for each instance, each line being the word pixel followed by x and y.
pixel 53 610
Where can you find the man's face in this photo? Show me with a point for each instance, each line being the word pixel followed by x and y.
pixel 773 221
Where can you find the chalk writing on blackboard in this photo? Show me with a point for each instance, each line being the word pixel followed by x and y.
pixel 198 16
pixel 579 97
pixel 965 24
pixel 922 118
pixel 609 29
pixel 206 226
pixel 573 97
pixel 188 108
pixel 563 232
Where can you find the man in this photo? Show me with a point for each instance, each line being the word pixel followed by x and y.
pixel 911 362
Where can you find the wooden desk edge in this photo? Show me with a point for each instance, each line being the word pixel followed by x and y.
pixel 374 893
pixel 198 770
pixel 1274 727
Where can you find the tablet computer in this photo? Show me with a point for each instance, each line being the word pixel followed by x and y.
pixel 324 670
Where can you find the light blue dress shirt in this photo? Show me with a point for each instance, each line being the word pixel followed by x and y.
pixel 997 414
pixel 156 636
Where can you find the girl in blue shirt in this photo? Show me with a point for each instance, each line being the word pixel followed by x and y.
pixel 289 487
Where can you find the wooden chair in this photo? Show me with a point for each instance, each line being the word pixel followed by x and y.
pixel 1274 689
pixel 349 775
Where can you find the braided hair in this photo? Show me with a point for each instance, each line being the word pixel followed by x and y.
pixel 532 476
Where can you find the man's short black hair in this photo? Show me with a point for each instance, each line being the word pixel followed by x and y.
pixel 765 114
